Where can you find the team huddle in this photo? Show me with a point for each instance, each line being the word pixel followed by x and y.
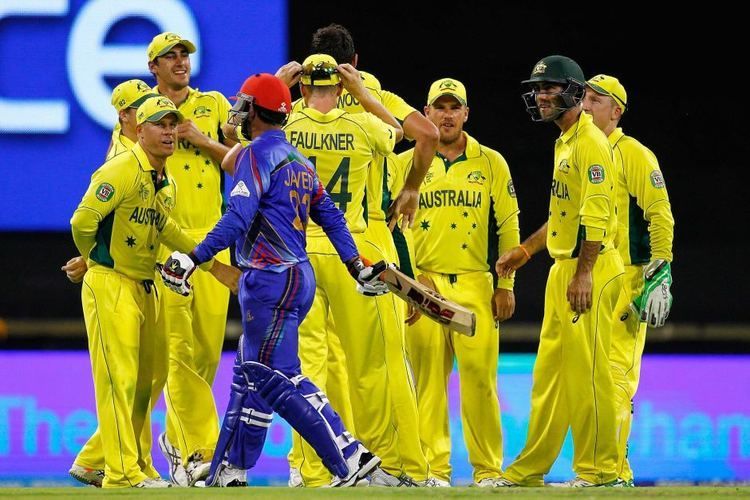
pixel 319 203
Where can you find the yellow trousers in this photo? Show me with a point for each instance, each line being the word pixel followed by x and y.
pixel 432 348
pixel 371 332
pixel 196 325
pixel 121 323
pixel 572 384
pixel 628 340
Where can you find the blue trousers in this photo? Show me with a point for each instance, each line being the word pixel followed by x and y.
pixel 272 306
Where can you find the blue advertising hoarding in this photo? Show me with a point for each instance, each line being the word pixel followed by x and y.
pixel 692 419
pixel 60 60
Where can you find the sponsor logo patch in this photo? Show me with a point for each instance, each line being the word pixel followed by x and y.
pixel 105 191
pixel 240 190
pixel 511 189
pixel 596 174
pixel 563 166
pixel 657 180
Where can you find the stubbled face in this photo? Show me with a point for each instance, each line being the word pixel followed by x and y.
pixel 159 138
pixel 449 116
pixel 602 108
pixel 173 68
pixel 548 100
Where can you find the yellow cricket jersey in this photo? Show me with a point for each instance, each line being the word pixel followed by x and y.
pixel 582 201
pixel 342 146
pixel 645 226
pixel 378 196
pixel 200 200
pixel 119 144
pixel 125 215
pixel 462 205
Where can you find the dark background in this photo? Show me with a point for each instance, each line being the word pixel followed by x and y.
pixel 687 102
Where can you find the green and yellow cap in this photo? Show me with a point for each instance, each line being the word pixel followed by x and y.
pixel 447 86
pixel 611 86
pixel 131 94
pixel 154 109
pixel 163 43
pixel 319 70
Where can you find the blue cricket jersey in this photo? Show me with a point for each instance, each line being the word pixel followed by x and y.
pixel 275 193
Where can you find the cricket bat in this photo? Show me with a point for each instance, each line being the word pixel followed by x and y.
pixel 429 302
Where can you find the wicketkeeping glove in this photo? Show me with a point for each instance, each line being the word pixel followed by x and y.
pixel 176 271
pixel 367 275
pixel 655 302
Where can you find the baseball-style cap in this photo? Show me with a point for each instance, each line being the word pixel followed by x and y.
pixel 154 109
pixel 611 86
pixel 319 70
pixel 131 94
pixel 268 92
pixel 163 43
pixel 447 86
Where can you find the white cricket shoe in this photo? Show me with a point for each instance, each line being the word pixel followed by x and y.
pixel 361 463
pixel 578 482
pixel 295 478
pixel 177 473
pixel 195 470
pixel 229 477
pixel 153 482
pixel 381 478
pixel 92 477
pixel 433 482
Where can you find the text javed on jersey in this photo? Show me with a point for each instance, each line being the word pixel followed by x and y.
pixel 330 142
pixel 450 198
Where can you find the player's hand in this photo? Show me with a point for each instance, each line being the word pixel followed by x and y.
pixel 75 269
pixel 229 276
pixel 290 73
pixel 655 301
pixel 404 207
pixel 503 304
pixel 189 131
pixel 352 81
pixel 413 313
pixel 510 261
pixel 176 271
pixel 367 275
pixel 580 291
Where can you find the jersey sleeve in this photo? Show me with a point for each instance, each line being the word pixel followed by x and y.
pixel 396 105
pixel 598 175
pixel 505 210
pixel 250 182
pixel 646 182
pixel 382 136
pixel 325 214
pixel 109 185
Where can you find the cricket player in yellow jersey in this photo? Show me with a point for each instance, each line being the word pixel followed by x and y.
pixel 88 466
pixel 119 225
pixel 644 240
pixel 342 146
pixel 196 323
pixel 336 41
pixel 467 202
pixel 572 383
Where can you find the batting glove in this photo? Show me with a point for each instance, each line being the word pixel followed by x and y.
pixel 367 275
pixel 655 301
pixel 176 271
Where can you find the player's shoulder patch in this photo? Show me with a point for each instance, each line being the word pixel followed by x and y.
pixel 105 192
pixel 240 190
pixel 511 188
pixel 657 179
pixel 596 174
